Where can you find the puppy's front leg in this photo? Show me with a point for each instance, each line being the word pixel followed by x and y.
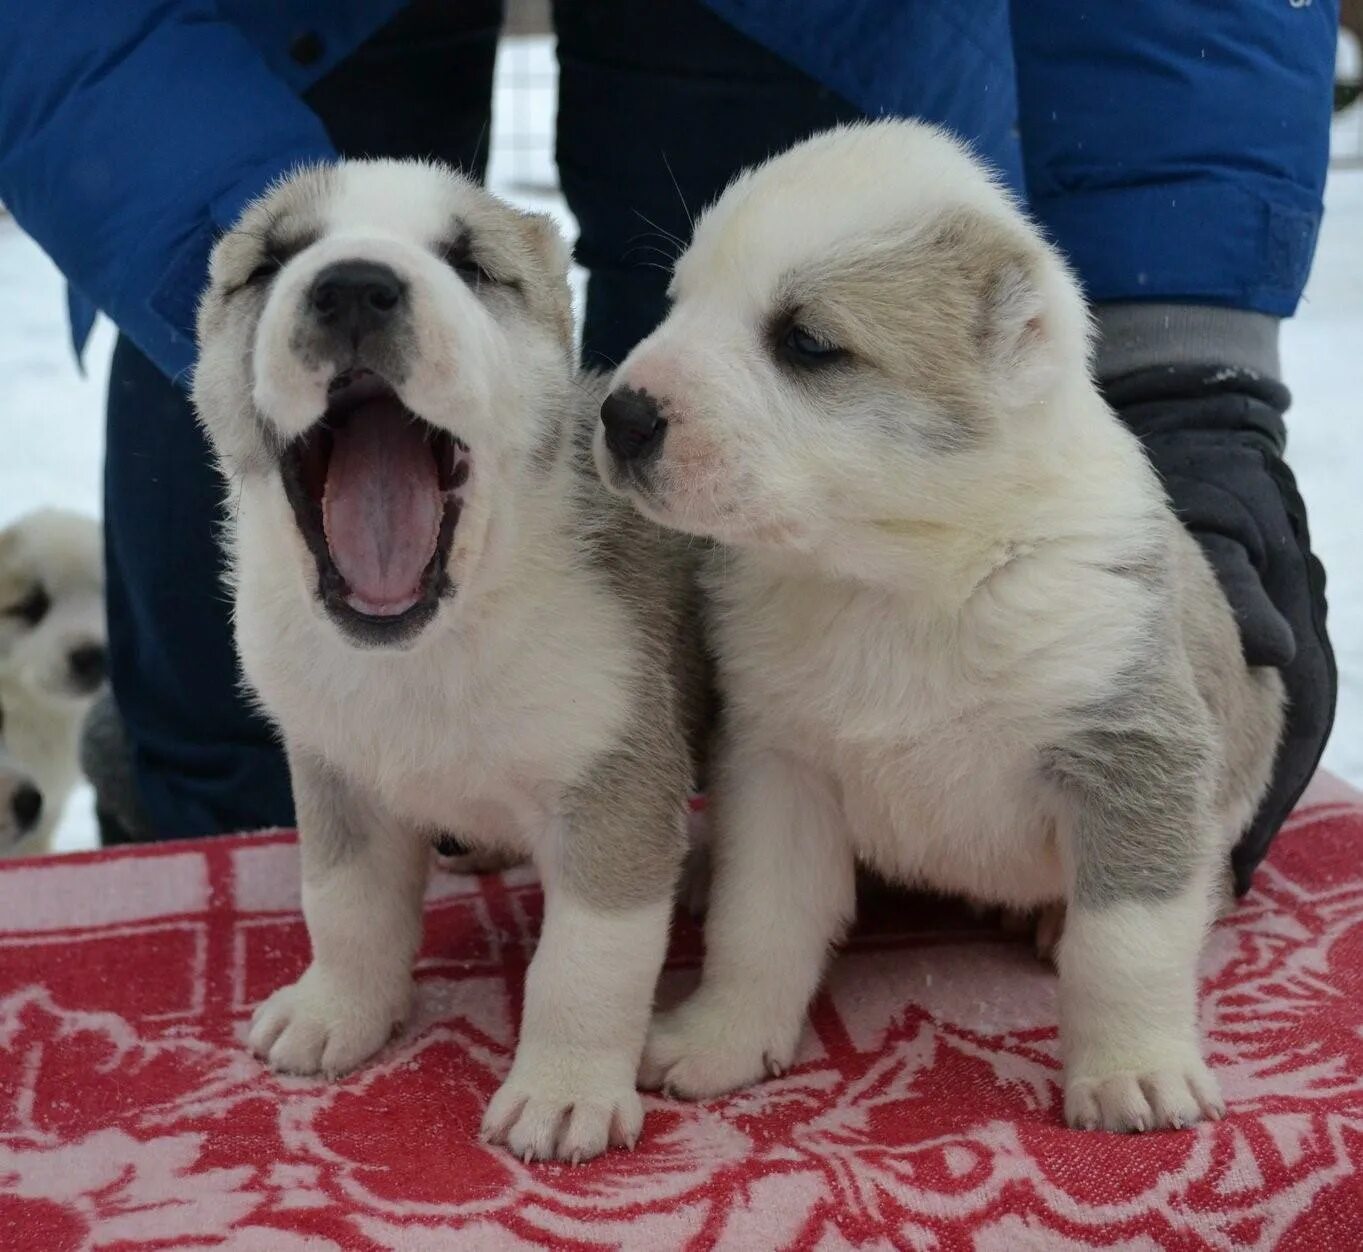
pixel 570 1093
pixel 782 891
pixel 363 878
pixel 609 866
pixel 1140 903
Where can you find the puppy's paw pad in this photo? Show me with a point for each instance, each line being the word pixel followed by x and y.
pixel 1138 1100
pixel 698 1051
pixel 317 1027
pixel 571 1122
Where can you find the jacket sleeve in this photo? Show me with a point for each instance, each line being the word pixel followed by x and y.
pixel 1177 150
pixel 130 134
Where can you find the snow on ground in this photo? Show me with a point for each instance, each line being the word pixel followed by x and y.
pixel 51 419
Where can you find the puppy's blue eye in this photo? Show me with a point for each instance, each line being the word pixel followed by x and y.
pixel 804 348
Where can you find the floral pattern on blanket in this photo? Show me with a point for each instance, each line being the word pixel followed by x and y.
pixel 923 1112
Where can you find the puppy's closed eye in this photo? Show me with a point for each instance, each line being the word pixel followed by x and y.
pixel 269 266
pixel 275 254
pixel 458 255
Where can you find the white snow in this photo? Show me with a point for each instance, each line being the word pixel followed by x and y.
pixel 52 430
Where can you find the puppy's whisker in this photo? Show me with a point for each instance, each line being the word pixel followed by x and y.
pixel 663 231
pixel 478 150
pixel 667 256
pixel 691 221
pixel 671 240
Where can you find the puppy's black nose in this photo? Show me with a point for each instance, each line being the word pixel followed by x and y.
pixel 26 803
pixel 634 426
pixel 356 296
pixel 89 663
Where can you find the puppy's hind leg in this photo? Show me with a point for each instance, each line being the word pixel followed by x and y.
pixel 782 892
pixel 1139 908
pixel 362 888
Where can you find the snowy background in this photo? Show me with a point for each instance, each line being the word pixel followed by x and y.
pixel 52 432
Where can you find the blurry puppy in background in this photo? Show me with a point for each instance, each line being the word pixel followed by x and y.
pixel 961 634
pixel 21 800
pixel 52 664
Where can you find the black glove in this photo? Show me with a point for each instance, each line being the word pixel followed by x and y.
pixel 1216 437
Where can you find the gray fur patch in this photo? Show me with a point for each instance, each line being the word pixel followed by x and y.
pixel 628 816
pixel 1140 768
pixel 1166 771
pixel 1141 817
pixel 627 835
pixel 332 822
pixel 549 446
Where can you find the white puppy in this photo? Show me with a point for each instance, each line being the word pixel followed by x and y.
pixel 961 634
pixel 456 628
pixel 52 662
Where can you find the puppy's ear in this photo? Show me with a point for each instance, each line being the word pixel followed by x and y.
pixel 551 258
pixel 1013 313
pixel 1004 276
pixel 544 239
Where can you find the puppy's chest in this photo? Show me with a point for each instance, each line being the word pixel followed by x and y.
pixel 850 671
pixel 935 765
pixel 443 736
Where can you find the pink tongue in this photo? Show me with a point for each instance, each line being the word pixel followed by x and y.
pixel 381 508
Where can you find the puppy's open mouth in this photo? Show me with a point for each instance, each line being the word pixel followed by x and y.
pixel 377 493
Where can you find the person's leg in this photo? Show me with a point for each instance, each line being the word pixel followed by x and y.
pixel 202 760
pixel 660 105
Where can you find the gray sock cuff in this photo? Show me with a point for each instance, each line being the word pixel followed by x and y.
pixel 1137 334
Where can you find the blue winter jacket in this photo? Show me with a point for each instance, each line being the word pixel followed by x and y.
pixel 1175 150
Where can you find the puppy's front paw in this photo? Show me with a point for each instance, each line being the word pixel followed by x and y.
pixel 1168 1096
pixel 706 1047
pixel 557 1109
pixel 322 1025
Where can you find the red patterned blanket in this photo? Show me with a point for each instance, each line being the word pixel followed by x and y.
pixel 924 1111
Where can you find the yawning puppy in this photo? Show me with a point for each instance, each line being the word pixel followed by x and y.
pixel 453 624
pixel 52 662
pixel 961 634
